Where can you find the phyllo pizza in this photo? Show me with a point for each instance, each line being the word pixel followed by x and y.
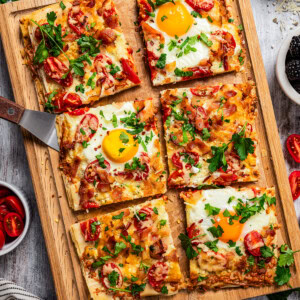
pixel 128 253
pixel 77 53
pixel 210 134
pixel 110 154
pixel 231 237
pixel 188 39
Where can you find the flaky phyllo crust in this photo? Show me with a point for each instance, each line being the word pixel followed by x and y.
pixel 112 185
pixel 222 50
pixel 227 266
pixel 198 119
pixel 89 29
pixel 146 259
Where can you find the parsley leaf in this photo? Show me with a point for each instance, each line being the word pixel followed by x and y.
pixel 212 245
pixel 242 145
pixel 286 257
pixel 113 278
pixel 218 159
pixel 101 160
pixel 114 69
pixel 124 138
pixel 216 231
pixel 119 247
pixel 101 262
pixel 205 40
pixel 266 251
pixel 94 226
pixel 211 210
pixel 187 246
pixel 283 275
pixel 205 134
pixel 91 81
pixel 62 6
pixel 164 290
pixel 89 45
pixel 80 88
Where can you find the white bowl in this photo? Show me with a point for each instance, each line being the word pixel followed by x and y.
pixel 12 245
pixel 280 69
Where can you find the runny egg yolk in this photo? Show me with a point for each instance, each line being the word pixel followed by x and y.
pixel 231 232
pixel 174 19
pixel 119 146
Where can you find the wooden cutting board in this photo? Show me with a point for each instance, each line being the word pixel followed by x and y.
pixel 55 214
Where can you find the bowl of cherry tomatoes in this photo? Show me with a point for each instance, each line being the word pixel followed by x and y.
pixel 14 217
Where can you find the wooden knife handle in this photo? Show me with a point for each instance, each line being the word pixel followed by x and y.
pixel 10 110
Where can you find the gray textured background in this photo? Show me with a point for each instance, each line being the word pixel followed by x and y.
pixel 28 265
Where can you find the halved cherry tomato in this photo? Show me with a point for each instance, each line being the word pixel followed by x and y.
pixel 293 146
pixel 110 17
pixel 90 229
pixel 15 205
pixel 199 5
pixel 13 224
pixel 229 94
pixel 253 241
pixel 3 211
pixel 144 222
pixel 56 69
pixel 87 128
pixel 129 71
pixel 4 192
pixel 106 270
pixel 65 100
pixel 294 179
pixel 204 92
pixel 157 273
pixel 91 173
pixel 78 112
pixel 77 20
pixel 2 239
pixel 89 204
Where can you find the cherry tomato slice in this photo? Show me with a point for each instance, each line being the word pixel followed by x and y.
pixel 13 224
pixel 15 205
pixel 90 229
pixel 91 174
pixel 293 146
pixel 145 221
pixel 3 212
pixel 253 241
pixel 201 5
pixel 145 8
pixel 4 192
pixel 2 239
pixel 157 273
pixel 56 69
pixel 87 128
pixel 64 101
pixel 128 70
pixel 78 112
pixel 294 179
pixel 107 269
pixel 192 231
pixel 205 92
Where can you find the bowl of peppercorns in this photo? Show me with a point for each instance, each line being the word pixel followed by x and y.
pixel 288 66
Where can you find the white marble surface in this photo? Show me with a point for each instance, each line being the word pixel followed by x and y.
pixel 28 265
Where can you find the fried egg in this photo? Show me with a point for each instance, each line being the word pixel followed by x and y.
pixel 226 199
pixel 112 139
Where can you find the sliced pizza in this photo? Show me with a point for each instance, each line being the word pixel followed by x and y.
pixel 77 53
pixel 231 237
pixel 110 154
pixel 187 39
pixel 128 253
pixel 210 134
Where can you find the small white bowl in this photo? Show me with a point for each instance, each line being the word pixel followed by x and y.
pixel 280 69
pixel 12 245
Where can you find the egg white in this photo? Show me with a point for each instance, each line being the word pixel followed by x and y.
pixel 219 199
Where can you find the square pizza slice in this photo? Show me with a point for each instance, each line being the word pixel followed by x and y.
pixel 187 39
pixel 77 53
pixel 210 134
pixel 231 237
pixel 128 253
pixel 110 154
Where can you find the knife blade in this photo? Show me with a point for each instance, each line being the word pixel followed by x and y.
pixel 40 124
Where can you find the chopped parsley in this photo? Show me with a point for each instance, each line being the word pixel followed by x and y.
pixel 114 69
pixel 216 231
pixel 119 216
pixel 161 63
pixel 211 210
pixel 196 14
pixel 113 278
pixel 94 226
pixel 212 245
pixel 80 88
pixel 205 134
pixel 62 6
pixel 187 246
pixel 164 290
pixel 181 73
pixel 124 138
pixel 101 160
pixel 205 40
pixel 136 163
pixel 91 81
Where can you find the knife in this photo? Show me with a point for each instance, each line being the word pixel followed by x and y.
pixel 40 124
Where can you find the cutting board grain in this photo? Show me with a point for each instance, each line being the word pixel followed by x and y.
pixel 56 216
